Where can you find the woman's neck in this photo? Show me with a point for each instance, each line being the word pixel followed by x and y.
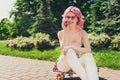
pixel 73 29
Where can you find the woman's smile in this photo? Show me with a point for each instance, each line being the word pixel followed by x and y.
pixel 69 22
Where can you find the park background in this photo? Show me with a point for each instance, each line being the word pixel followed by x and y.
pixel 31 30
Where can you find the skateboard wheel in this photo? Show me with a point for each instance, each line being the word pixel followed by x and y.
pixel 59 77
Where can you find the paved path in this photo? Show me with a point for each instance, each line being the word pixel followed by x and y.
pixel 15 68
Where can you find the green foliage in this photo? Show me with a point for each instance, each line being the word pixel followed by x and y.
pixel 41 35
pixel 100 41
pixel 24 13
pixel 11 43
pixel 46 26
pixel 113 8
pixel 115 44
pixel 107 58
pixel 43 41
pixel 96 11
pixel 110 26
pixel 34 16
pixel 25 44
pixel 104 41
pixel 45 20
pixel 40 41
pixel 22 43
pixel 110 22
pixel 7 29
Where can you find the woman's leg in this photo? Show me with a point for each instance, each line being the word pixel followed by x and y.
pixel 74 63
pixel 62 64
pixel 90 66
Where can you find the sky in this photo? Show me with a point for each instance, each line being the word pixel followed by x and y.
pixel 5 7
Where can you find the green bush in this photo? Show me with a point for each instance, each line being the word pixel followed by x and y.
pixel 22 43
pixel 40 41
pixel 41 35
pixel 26 44
pixel 11 43
pixel 100 41
pixel 43 41
pixel 115 43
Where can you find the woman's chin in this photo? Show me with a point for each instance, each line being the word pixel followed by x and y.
pixel 71 24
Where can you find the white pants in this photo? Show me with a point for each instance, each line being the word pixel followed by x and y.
pixel 84 66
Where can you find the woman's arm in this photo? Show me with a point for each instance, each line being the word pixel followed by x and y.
pixel 62 39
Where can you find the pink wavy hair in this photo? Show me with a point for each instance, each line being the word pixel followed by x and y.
pixel 77 12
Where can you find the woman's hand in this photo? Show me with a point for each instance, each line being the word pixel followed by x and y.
pixel 70 47
pixel 66 32
pixel 65 49
pixel 65 25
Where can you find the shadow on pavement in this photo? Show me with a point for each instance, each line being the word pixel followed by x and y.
pixel 100 78
pixel 74 78
pixel 77 78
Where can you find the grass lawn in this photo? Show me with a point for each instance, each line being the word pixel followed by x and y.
pixel 104 58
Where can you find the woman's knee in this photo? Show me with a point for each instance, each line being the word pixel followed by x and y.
pixel 88 55
pixel 71 54
pixel 89 59
pixel 70 51
pixel 63 67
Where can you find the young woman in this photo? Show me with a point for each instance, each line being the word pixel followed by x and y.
pixel 71 39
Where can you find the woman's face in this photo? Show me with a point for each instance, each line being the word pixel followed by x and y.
pixel 71 19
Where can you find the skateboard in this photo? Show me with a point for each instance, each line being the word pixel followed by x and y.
pixel 61 75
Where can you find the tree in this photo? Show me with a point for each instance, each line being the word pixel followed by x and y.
pixel 95 14
pixel 7 29
pixel 45 20
pixel 112 25
pixel 24 13
pixel 107 19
